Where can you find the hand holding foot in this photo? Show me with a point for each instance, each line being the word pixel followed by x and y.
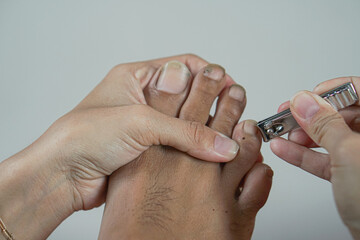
pixel 66 169
pixel 323 126
pixel 167 194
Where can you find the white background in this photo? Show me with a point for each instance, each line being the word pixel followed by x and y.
pixel 52 53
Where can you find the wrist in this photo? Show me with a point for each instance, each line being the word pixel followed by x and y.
pixel 35 195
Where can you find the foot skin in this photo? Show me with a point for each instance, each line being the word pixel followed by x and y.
pixel 166 194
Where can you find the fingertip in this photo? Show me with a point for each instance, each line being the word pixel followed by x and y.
pixel 284 106
pixel 279 147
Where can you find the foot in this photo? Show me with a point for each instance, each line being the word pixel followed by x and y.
pixel 166 194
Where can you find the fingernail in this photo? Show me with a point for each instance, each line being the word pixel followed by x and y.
pixel 174 78
pixel 225 146
pixel 269 172
pixel 304 105
pixel 237 92
pixel 214 72
pixel 296 135
pixel 250 127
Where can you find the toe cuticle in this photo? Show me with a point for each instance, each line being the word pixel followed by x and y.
pixel 237 92
pixel 214 72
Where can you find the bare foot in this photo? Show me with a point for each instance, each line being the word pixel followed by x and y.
pixel 166 194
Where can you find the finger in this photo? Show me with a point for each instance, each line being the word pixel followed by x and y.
pixel 319 120
pixel 313 162
pixel 299 136
pixel 284 106
pixel 155 128
pixel 333 83
pixel 352 117
pixel 350 114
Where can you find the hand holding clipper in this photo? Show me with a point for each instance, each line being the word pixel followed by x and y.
pixel 283 122
pixel 330 130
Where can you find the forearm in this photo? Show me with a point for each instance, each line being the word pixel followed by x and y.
pixel 34 196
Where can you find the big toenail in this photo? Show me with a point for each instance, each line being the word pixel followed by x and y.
pixel 174 78
pixel 225 146
pixel 237 92
pixel 214 72
pixel 250 127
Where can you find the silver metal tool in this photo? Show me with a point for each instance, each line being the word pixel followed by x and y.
pixel 283 122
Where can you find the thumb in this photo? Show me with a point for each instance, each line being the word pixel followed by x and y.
pixel 191 137
pixel 320 121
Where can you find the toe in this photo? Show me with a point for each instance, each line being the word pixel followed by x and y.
pixel 256 189
pixel 248 138
pixel 169 87
pixel 206 86
pixel 229 109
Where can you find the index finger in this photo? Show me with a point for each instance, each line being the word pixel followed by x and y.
pixel 333 83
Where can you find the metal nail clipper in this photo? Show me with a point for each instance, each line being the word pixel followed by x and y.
pixel 283 122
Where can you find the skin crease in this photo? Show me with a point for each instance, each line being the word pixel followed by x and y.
pixel 66 169
pixel 339 134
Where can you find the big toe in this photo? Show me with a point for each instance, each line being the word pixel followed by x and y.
pixel 167 90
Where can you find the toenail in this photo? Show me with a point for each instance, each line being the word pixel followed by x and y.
pixel 250 127
pixel 269 172
pixel 225 146
pixel 237 92
pixel 174 78
pixel 214 72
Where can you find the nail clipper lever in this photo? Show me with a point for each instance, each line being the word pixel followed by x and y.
pixel 283 122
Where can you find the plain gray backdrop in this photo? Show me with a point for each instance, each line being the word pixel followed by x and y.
pixel 52 53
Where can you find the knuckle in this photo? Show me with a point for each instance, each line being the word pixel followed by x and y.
pixel 118 68
pixel 344 147
pixel 323 124
pixel 196 132
pixel 192 56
